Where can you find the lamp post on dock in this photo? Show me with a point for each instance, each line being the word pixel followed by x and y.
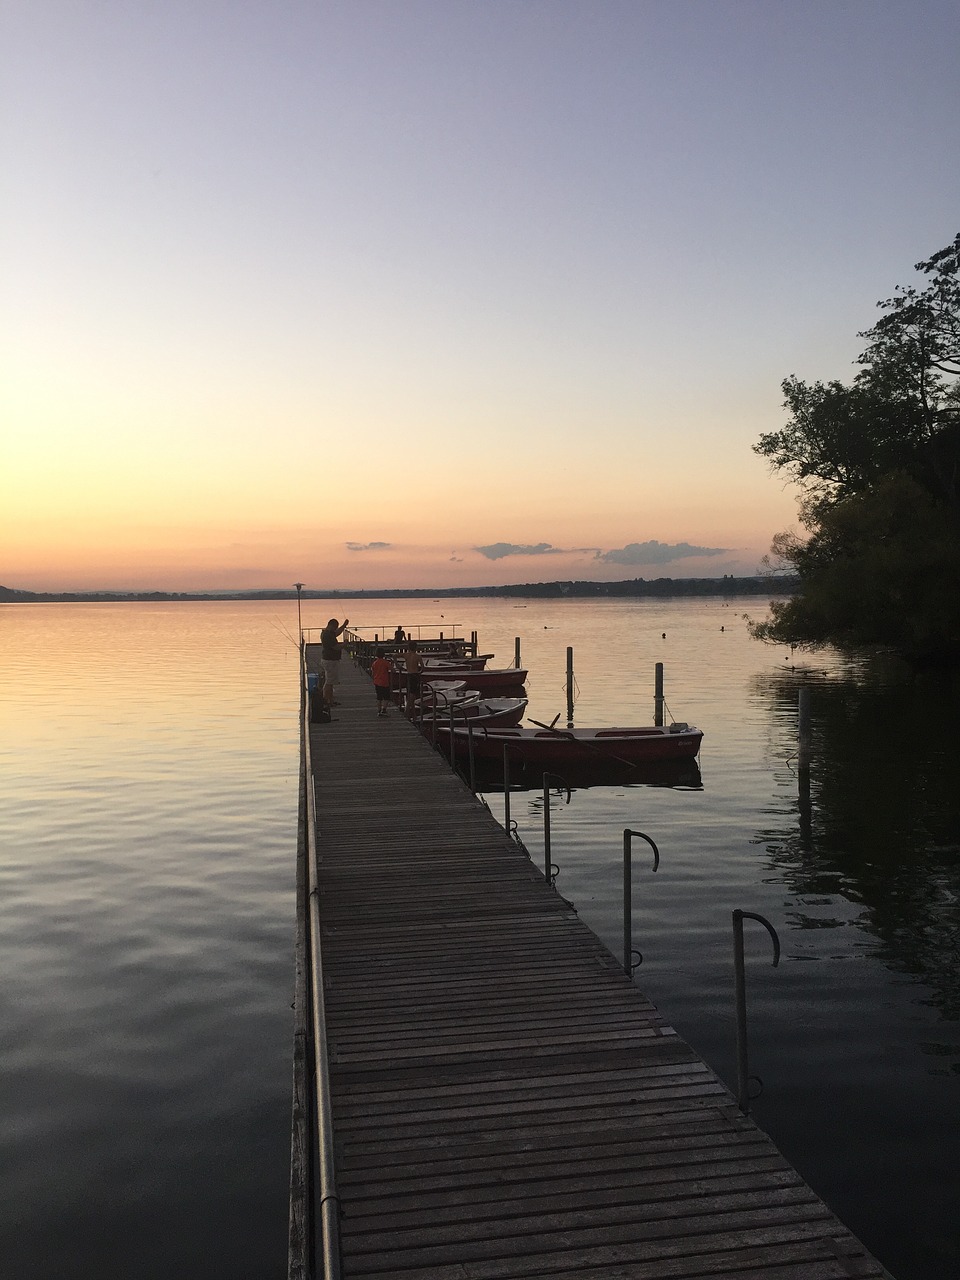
pixel 299 587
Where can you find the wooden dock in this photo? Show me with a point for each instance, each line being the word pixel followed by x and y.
pixel 505 1102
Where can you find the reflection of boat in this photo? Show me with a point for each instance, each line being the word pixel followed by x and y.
pixel 489 712
pixel 683 774
pixel 549 748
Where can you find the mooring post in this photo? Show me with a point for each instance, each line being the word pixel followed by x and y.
pixel 473 775
pixel 628 964
pixel 569 685
pixel 740 987
pixel 803 727
pixel 658 695
pixel 516 652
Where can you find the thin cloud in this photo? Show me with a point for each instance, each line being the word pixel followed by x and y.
pixel 368 546
pixel 498 550
pixel 655 552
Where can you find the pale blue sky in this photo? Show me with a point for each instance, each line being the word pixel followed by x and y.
pixel 507 271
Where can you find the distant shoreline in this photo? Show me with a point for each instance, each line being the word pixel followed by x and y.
pixel 635 588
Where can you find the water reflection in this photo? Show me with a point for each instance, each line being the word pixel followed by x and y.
pixel 680 774
pixel 878 820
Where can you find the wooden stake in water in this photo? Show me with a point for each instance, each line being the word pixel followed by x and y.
pixel 803 728
pixel 658 694
pixel 569 685
pixel 516 653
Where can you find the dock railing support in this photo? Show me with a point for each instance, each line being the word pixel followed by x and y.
pixel 506 788
pixel 550 869
pixel 743 1075
pixel 629 964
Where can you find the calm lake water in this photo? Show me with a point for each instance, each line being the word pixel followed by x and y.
pixel 149 799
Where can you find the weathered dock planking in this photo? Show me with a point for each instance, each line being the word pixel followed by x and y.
pixel 506 1103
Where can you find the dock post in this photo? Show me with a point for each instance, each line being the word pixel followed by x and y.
pixel 803 727
pixel 516 652
pixel 569 684
pixel 658 695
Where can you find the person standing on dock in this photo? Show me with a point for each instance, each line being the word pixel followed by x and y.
pixel 398 635
pixel 412 665
pixel 330 654
pixel 380 669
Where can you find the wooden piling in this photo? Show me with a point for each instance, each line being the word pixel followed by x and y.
pixel 804 736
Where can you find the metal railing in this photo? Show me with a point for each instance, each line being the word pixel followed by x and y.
pixel 328 1201
pixel 743 1073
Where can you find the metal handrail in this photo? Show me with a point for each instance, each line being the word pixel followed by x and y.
pixel 329 1200
pixel 550 869
pixel 629 964
pixel 740 991
pixel 385 633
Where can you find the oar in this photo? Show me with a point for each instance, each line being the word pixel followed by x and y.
pixel 587 746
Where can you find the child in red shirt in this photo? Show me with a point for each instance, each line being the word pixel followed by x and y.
pixel 380 670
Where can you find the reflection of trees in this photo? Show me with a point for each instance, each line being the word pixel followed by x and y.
pixel 883 823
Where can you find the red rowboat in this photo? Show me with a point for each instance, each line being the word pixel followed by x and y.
pixel 485 681
pixel 550 748
pixel 430 663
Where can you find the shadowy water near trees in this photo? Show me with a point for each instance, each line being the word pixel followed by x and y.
pixel 880 825
pixel 877 463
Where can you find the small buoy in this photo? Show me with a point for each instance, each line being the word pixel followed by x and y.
pixel 721 628
pixel 663 635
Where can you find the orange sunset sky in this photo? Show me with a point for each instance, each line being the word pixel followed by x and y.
pixel 369 294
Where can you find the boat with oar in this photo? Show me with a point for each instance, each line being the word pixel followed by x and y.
pixel 547 747
pixel 476 711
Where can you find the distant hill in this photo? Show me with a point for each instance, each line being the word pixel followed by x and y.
pixel 632 588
